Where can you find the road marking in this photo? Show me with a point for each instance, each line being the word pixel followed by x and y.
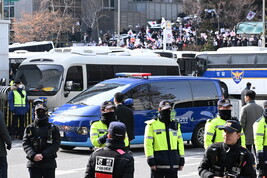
pixel 191 175
pixel 61 172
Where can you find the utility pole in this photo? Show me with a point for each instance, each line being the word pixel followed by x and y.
pixel 119 22
pixel 263 22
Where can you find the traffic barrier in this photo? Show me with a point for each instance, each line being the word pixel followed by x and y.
pixel 4 107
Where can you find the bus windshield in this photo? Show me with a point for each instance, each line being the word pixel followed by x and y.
pixel 40 79
pixel 98 93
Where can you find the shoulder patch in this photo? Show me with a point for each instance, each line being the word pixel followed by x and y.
pixel 120 151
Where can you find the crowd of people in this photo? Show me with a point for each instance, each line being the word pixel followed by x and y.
pixel 184 36
pixel 229 143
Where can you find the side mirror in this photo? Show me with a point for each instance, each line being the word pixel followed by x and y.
pixel 68 85
pixel 3 81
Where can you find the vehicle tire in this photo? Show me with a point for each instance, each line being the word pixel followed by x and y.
pixel 63 147
pixel 224 90
pixel 198 135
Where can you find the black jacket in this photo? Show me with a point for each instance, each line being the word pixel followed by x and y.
pixel 43 140
pixel 220 159
pixel 114 160
pixel 125 115
pixel 4 136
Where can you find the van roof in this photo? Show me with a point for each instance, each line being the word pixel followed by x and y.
pixel 135 80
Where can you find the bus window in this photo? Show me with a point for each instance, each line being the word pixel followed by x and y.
pixel 178 93
pixel 204 93
pixel 124 68
pixel 140 95
pixel 154 70
pixel 75 74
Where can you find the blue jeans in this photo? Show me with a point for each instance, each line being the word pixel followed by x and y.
pixel 3 167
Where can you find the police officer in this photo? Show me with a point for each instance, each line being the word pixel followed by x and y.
pixel 164 147
pixel 212 132
pixel 41 141
pixel 112 160
pixel 228 159
pixel 260 141
pixel 98 130
pixel 19 106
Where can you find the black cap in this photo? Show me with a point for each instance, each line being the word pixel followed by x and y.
pixel 264 103
pixel 41 106
pixel 117 130
pixel 17 81
pixel 224 102
pixel 107 104
pixel 165 105
pixel 232 126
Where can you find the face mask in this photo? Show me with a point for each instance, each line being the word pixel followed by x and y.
pixel 225 114
pixel 165 115
pixel 20 86
pixel 108 117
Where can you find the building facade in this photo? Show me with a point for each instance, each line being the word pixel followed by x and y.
pixel 134 14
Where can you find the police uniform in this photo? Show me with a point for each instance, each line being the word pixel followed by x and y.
pixel 213 134
pixel 260 140
pixel 98 130
pixel 111 161
pixel 18 105
pixel 164 147
pixel 231 160
pixel 41 138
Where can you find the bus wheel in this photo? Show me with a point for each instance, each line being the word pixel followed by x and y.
pixel 224 90
pixel 63 147
pixel 198 135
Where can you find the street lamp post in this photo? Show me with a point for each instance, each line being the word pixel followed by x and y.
pixel 119 22
pixel 263 22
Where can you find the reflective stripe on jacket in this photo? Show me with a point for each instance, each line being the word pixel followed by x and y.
pixel 166 151
pixel 99 129
pixel 213 134
pixel 18 100
pixel 260 134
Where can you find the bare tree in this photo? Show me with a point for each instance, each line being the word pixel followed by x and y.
pixel 230 12
pixel 93 12
pixel 42 25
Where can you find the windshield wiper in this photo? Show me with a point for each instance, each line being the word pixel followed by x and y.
pixel 81 103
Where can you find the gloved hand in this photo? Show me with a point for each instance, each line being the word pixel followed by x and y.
pixel 8 147
pixel 103 139
pixel 261 163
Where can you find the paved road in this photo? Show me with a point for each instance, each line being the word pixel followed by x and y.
pixel 71 164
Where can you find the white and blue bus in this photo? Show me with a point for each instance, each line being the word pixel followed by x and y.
pixel 63 73
pixel 234 67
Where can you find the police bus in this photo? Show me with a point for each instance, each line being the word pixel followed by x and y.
pixel 34 46
pixel 64 73
pixel 194 101
pixel 234 66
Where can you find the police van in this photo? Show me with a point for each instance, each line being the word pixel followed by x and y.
pixel 194 101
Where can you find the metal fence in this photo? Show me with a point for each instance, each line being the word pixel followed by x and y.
pixel 4 107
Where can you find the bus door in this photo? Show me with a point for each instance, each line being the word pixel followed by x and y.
pixel 74 83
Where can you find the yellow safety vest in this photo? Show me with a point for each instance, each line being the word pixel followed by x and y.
pixel 18 100
pixel 213 134
pixel 155 138
pixel 260 134
pixel 99 129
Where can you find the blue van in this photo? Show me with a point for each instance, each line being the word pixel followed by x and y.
pixel 194 101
